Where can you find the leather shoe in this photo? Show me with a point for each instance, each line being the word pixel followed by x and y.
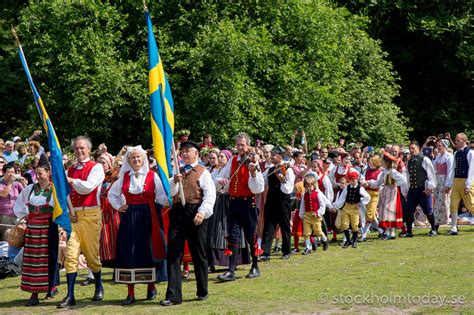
pixel 129 300
pixel 32 302
pixel 452 232
pixel 203 298
pixel 227 276
pixel 52 293
pixel 168 303
pixel 88 281
pixel 406 234
pixel 185 274
pixel 151 295
pixel 253 273
pixel 325 245
pixel 286 257
pixel 98 294
pixel 67 301
pixel 264 258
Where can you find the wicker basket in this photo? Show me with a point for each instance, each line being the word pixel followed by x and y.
pixel 16 237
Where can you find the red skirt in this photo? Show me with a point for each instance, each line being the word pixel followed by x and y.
pixel 297 228
pixel 108 235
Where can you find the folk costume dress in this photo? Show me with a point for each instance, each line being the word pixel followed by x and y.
pixel 443 165
pixel 40 254
pixel 140 239
pixel 390 203
pixel 110 225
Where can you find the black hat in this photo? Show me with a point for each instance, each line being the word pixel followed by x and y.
pixel 189 144
pixel 278 150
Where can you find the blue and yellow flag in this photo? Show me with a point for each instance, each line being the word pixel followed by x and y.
pixel 162 110
pixel 61 188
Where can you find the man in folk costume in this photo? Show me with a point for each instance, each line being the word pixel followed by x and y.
pixel 189 222
pixel 244 180
pixel 85 179
pixel 280 180
pixel 421 180
pixel 460 180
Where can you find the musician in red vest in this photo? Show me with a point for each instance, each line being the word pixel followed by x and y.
pixel 85 179
pixel 244 180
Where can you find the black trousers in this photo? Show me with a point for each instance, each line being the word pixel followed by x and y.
pixel 181 228
pixel 277 211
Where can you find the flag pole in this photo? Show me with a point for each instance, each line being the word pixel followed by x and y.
pixel 176 168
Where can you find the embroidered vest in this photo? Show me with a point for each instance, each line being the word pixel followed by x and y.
pixel 77 200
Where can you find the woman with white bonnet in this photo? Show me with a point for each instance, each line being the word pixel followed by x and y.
pixel 443 164
pixel 140 240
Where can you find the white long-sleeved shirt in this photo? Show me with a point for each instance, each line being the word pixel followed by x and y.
pixel 256 184
pixel 94 180
pixel 445 158
pixel 400 180
pixel 470 173
pixel 431 181
pixel 208 192
pixel 21 208
pixel 341 199
pixel 117 199
pixel 322 205
pixel 341 170
pixel 288 185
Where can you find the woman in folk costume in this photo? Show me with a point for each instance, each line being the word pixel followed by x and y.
pixel 110 217
pixel 217 228
pixel 443 164
pixel 371 173
pixel 40 255
pixel 338 171
pixel 140 240
pixel 390 204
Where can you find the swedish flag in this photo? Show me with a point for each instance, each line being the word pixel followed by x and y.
pixel 61 188
pixel 162 109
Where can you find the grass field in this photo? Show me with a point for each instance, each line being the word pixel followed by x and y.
pixel 396 276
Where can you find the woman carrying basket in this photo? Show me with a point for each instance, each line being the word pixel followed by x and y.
pixel 40 253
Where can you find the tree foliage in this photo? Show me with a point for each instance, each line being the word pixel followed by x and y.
pixel 264 67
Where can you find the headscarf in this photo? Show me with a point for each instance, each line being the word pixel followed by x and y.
pixel 227 153
pixel 108 158
pixel 446 143
pixel 139 180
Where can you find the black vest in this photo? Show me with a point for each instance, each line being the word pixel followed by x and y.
pixel 274 183
pixel 353 195
pixel 461 167
pixel 417 173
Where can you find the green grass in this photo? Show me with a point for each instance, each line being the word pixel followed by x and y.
pixel 421 266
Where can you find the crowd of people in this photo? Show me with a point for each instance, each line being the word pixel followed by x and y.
pixel 226 206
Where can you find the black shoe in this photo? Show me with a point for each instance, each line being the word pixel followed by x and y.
pixel 227 276
pixel 32 302
pixel 203 298
pixel 392 237
pixel 354 245
pixel 264 258
pixel 306 251
pixel 381 236
pixel 168 303
pixel 88 281
pixel 432 233
pixel 286 257
pixel 98 294
pixel 406 234
pixel 212 269
pixel 295 250
pixel 129 300
pixel 151 295
pixel 276 249
pixel 253 273
pixel 451 232
pixel 325 245
pixel 52 293
pixel 314 247
pixel 346 244
pixel 67 301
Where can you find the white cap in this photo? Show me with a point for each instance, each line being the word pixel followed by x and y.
pixel 16 138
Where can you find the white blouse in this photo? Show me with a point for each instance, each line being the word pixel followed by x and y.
pixel 21 204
